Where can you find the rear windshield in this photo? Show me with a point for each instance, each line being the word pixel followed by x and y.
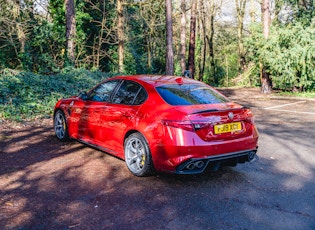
pixel 192 94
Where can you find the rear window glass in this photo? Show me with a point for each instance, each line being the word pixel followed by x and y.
pixel 192 94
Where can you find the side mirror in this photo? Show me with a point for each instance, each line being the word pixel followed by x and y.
pixel 83 96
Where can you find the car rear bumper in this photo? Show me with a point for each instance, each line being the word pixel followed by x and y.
pixel 198 165
pixel 193 155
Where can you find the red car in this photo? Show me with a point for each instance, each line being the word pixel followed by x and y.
pixel 159 123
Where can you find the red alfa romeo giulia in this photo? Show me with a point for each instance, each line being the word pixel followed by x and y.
pixel 159 123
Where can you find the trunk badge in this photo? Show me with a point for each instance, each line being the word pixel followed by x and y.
pixel 231 115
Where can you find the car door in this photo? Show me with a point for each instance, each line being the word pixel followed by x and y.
pixel 120 115
pixel 95 103
pixel 76 120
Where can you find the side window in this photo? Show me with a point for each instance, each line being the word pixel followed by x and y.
pixel 141 97
pixel 102 92
pixel 127 93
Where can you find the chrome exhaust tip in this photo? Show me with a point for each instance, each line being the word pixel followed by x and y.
pixel 191 166
pixel 199 164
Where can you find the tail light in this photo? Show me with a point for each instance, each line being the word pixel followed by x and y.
pixel 249 116
pixel 186 125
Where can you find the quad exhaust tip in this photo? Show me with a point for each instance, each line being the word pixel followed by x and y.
pixel 196 164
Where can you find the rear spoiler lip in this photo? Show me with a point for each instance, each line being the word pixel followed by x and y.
pixel 217 110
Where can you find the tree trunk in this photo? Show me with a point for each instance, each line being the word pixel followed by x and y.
pixel 183 36
pixel 21 37
pixel 149 62
pixel 192 40
pixel 17 11
pixel 169 38
pixel 252 11
pixel 240 8
pixel 100 39
pixel 266 18
pixel 266 83
pixel 121 35
pixel 70 30
pixel 202 36
pixel 210 43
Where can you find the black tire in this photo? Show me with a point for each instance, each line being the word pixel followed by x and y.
pixel 138 156
pixel 61 126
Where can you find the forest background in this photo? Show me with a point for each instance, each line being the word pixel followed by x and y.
pixel 52 49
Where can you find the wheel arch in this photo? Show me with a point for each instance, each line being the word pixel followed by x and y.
pixel 150 136
pixel 56 110
pixel 61 108
pixel 131 132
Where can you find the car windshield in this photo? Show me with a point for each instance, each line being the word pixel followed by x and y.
pixel 192 94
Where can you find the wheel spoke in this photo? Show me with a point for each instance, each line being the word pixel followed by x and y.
pixel 132 159
pixel 138 163
pixel 132 148
pixel 139 146
pixel 58 119
pixel 62 132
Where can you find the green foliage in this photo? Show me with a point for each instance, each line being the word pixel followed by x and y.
pixel 249 77
pixel 297 11
pixel 44 52
pixel 26 95
pixel 145 48
pixel 225 54
pixel 298 94
pixel 288 55
pixel 226 49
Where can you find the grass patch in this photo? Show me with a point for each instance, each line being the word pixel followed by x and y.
pixel 298 94
pixel 26 96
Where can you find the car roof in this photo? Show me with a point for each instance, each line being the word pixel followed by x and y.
pixel 158 80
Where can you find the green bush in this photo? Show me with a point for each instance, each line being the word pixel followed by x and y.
pixel 288 56
pixel 25 96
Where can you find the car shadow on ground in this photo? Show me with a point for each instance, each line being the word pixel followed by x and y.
pixel 23 148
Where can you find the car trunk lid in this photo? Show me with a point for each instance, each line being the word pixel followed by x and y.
pixel 219 121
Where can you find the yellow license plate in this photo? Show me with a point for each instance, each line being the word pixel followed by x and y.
pixel 228 128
